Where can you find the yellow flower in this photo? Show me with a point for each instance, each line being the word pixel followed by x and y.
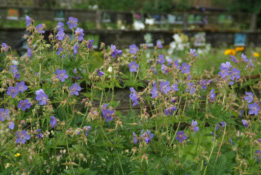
pixel 255 54
pixel 230 52
pixel 239 49
pixel 17 155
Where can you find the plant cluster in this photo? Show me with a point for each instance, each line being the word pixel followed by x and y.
pixel 60 114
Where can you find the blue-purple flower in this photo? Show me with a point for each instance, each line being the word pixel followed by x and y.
pixel 21 86
pixel 212 94
pixel 87 129
pixel 192 52
pixel 12 91
pixel 253 108
pixel 4 47
pixel 75 89
pixel 204 84
pixel 11 125
pixel 4 114
pixel 40 28
pixel 164 87
pixel 79 33
pixel 181 136
pixel 170 110
pixel 154 91
pixel 60 35
pixel 28 20
pixel 100 73
pixel 75 48
pixel 159 45
pixel 245 123
pixel 191 88
pixel 59 26
pixel 133 49
pixel 134 138
pixel 53 121
pixel 72 22
pixel 161 59
pixel 194 126
pixel 244 57
pixel 134 97
pixel 258 155
pixel 24 104
pixel 175 87
pixel 59 51
pixel 107 113
pixel 234 74
pixel 133 66
pixel 22 136
pixel 249 97
pixel 29 52
pixel 164 69
pixel 90 43
pixel 61 75
pixel 146 136
pixel 185 68
pixel 41 97
pixel 233 58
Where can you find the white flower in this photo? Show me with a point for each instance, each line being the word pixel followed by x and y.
pixel 15 62
pixel 149 21
pixel 138 25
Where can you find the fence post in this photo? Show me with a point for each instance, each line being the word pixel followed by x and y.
pixel 253 22
pixel 185 21
pixel 98 19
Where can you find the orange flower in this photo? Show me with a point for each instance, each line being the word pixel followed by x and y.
pixel 255 54
pixel 239 49
pixel 230 52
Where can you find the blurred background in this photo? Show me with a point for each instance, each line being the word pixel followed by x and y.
pixel 124 22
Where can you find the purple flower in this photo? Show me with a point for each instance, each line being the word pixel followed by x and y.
pixel 244 57
pixel 193 52
pixel 114 51
pixel 133 49
pixel 53 121
pixel 223 124
pixel 249 97
pixel 119 52
pixel 14 69
pixel 194 126
pixel 223 72
pixel 170 110
pixel 61 75
pixel 59 51
pixel 40 28
pixel 164 69
pixel 154 70
pixel 40 135
pixel 181 136
pixel 233 58
pixel 29 52
pixel 79 33
pixel 60 35
pixel 176 63
pixel 175 87
pixel 191 88
pixel 12 91
pixel 4 114
pixel 159 45
pixel 154 91
pixel 253 108
pixel 250 63
pixel 245 123
pixel 258 155
pixel 107 113
pixel 21 86
pixel 28 20
pixel 212 95
pixel 164 87
pixel 22 136
pixel 146 136
pixel 11 125
pixel 134 138
pixel 72 22
pixel 90 43
pixel 59 26
pixel 75 89
pixel 4 48
pixel 133 66
pixel 235 74
pixel 24 104
pixel 204 84
pixel 185 68
pixel 134 96
pixel 226 65
pixel 41 97
pixel 87 129
pixel 161 59
pixel 100 73
pixel 75 48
